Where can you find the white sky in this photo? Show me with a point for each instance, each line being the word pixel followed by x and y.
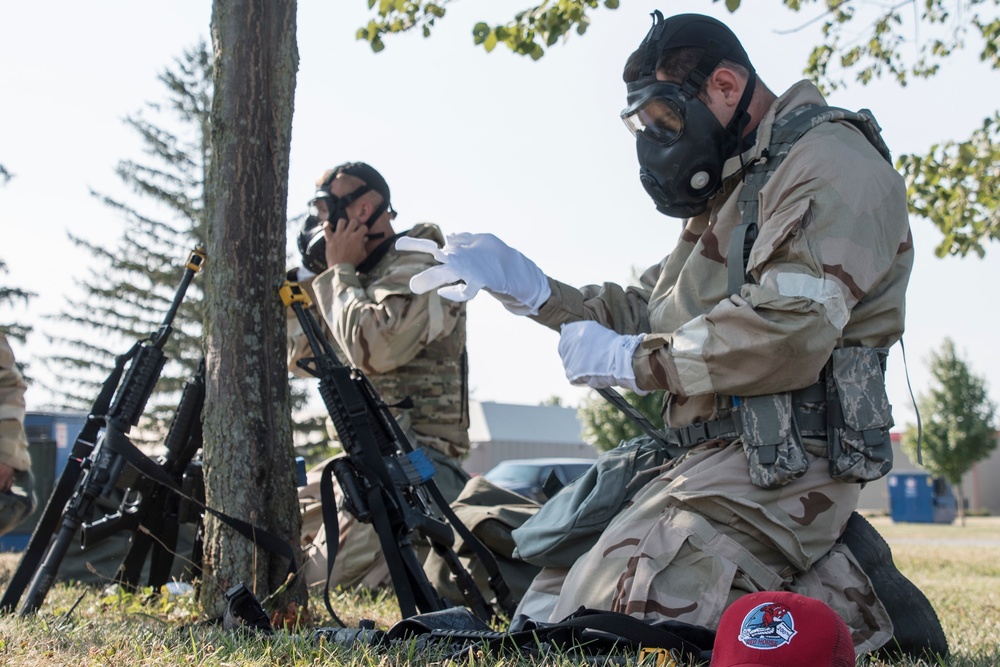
pixel 531 151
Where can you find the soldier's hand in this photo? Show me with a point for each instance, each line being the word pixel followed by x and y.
pixel 471 262
pixel 345 242
pixel 595 356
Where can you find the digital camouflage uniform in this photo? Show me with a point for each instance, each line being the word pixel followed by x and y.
pixel 408 346
pixel 831 265
pixel 17 504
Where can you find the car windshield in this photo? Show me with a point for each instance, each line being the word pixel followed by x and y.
pixel 513 472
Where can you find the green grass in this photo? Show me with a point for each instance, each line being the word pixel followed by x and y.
pixel 957 568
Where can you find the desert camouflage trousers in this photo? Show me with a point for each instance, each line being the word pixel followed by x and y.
pixel 700 535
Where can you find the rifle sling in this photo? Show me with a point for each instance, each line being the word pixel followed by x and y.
pixel 485 556
pixel 328 502
pixel 120 444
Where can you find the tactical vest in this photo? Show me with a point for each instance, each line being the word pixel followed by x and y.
pixel 437 381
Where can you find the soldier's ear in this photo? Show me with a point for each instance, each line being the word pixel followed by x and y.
pixel 364 210
pixel 728 84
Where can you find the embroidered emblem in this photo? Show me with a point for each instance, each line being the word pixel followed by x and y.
pixel 767 626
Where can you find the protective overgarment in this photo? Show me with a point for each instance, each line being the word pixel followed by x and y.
pixel 830 268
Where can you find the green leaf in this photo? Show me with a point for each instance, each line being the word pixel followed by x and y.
pixel 479 33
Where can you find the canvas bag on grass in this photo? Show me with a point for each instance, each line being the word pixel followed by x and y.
pixel 568 524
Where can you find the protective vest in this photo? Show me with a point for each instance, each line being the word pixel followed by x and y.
pixel 438 376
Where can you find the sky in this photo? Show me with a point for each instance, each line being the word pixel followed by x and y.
pixel 533 152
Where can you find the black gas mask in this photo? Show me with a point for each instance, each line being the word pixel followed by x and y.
pixel 681 146
pixel 312 241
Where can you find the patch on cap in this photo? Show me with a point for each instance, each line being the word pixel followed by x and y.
pixel 768 626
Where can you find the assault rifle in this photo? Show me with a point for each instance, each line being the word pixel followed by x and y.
pixel 387 483
pixel 150 509
pixel 100 455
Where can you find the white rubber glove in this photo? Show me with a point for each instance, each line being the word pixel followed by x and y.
pixel 598 357
pixel 471 262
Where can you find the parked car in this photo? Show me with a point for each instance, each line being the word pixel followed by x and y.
pixel 527 476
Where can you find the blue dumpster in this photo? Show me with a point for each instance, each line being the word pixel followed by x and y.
pixel 916 497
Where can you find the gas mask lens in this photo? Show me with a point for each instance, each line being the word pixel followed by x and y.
pixel 319 207
pixel 658 118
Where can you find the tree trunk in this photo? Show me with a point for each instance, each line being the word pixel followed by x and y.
pixel 960 501
pixel 248 455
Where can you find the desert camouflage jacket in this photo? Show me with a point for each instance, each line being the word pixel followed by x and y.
pixel 408 345
pixel 830 268
pixel 13 442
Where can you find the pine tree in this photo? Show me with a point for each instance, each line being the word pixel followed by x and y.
pixel 960 427
pixel 130 287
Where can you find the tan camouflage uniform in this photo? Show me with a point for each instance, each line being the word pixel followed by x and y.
pixel 19 502
pixel 831 264
pixel 408 346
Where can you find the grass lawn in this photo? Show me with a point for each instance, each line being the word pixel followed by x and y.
pixel 958 568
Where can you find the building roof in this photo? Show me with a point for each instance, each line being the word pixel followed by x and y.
pixel 507 422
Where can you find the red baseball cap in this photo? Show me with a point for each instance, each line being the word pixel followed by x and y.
pixel 781 629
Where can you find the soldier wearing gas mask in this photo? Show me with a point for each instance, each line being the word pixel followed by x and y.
pixel 330 204
pixel 409 345
pixel 767 326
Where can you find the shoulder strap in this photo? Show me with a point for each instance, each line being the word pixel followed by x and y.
pixel 786 131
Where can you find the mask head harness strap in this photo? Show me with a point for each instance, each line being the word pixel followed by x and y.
pixel 651 41
pixel 695 30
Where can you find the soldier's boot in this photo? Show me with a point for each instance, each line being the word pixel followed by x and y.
pixel 917 630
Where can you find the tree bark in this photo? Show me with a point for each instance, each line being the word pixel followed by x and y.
pixel 960 500
pixel 248 455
